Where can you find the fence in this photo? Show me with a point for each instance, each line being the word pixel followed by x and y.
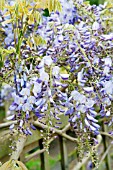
pixel 34 141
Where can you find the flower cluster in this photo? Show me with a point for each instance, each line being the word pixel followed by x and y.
pixel 6 94
pixel 61 64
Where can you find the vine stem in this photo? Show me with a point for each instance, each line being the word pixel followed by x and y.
pixel 104 155
pixel 57 131
pixel 7 124
pixel 106 134
pixel 105 143
pixel 19 147
pixel 86 158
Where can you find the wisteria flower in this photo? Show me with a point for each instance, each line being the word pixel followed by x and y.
pixel 37 88
pixel 89 103
pixel 95 26
pixel 108 61
pixel 64 76
pixel 31 100
pixel 25 92
pixel 47 60
pixel 44 76
pixel 108 87
pixel 27 107
pixel 55 71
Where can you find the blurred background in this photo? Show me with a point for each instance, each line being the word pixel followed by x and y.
pixel 97 2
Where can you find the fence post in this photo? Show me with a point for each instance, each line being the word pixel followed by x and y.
pixel 64 155
pixel 106 144
pixel 44 157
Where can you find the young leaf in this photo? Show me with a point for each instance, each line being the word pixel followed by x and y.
pixel 31 19
pixel 2 4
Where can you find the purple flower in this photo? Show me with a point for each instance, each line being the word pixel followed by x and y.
pixel 107 37
pixel 29 131
pixel 32 126
pixel 92 128
pixel 39 102
pixel 88 89
pixel 21 123
pixel 93 113
pixel 108 61
pixel 69 111
pixel 25 92
pixel 11 127
pixel 64 76
pixel 89 103
pixel 19 100
pixel 95 125
pixel 74 119
pixel 87 123
pixel 108 113
pixel 41 65
pixel 55 71
pixel 37 88
pixel 13 106
pixel 27 107
pixel 27 115
pixel 11 117
pixel 31 100
pixel 95 26
pixel 37 113
pixel 44 76
pixel 75 94
pixel 47 60
pixel 108 87
pixel 81 108
pixel 91 118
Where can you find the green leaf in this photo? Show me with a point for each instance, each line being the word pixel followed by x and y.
pixel 46 12
pixel 50 5
pixel 1 64
pixel 58 6
pixel 2 4
pixel 39 40
pixel 31 19
pixel 37 16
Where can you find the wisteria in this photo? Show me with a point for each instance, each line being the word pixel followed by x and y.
pixel 58 64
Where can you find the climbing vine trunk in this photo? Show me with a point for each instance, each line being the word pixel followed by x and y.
pixel 19 147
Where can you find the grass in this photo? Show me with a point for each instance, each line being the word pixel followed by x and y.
pixel 34 164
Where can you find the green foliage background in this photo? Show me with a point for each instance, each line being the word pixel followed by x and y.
pixel 97 2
